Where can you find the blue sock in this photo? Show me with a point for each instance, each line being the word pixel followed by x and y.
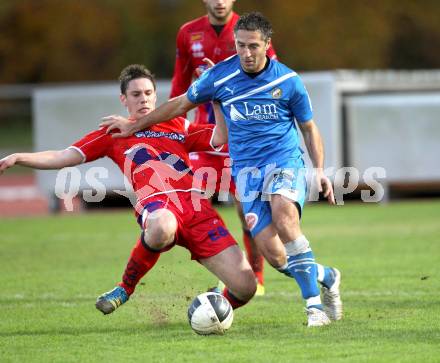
pixel 303 268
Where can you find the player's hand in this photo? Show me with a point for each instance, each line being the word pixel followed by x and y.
pixel 7 162
pixel 208 64
pixel 325 187
pixel 117 123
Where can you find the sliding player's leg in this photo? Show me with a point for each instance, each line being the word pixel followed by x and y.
pixel 231 267
pixel 158 235
pixel 210 243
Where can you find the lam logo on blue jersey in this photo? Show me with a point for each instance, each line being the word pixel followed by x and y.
pixel 254 112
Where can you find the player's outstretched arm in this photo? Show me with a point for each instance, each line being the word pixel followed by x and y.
pixel 220 132
pixel 42 160
pixel 315 148
pixel 172 108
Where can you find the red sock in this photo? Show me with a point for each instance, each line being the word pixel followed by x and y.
pixel 142 259
pixel 235 302
pixel 254 257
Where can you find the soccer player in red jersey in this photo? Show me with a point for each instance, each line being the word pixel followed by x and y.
pixel 212 36
pixel 171 208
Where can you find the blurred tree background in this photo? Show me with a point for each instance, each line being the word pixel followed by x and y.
pixel 86 40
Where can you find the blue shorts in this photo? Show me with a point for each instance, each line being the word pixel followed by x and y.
pixel 255 185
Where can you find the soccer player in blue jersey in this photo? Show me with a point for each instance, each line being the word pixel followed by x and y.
pixel 260 99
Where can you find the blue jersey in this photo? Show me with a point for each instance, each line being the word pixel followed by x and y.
pixel 260 112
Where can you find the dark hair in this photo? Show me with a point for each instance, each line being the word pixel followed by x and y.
pixel 134 71
pixel 254 21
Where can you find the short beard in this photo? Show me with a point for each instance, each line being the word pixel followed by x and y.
pixel 220 19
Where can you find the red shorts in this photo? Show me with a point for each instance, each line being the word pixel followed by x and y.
pixel 200 230
pixel 221 164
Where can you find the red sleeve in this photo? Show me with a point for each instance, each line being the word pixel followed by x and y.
pixel 182 68
pixel 94 145
pixel 271 52
pixel 199 138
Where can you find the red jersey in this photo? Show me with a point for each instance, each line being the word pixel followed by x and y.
pixel 196 40
pixel 155 160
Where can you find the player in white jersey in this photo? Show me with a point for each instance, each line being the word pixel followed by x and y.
pixel 260 100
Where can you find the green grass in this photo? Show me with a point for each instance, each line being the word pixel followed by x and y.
pixel 52 269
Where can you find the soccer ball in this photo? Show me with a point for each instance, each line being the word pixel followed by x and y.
pixel 210 313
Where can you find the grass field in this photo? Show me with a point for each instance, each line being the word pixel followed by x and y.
pixel 53 268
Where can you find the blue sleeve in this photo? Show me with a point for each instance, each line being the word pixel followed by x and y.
pixel 300 103
pixel 202 90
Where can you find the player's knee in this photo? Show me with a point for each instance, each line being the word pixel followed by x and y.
pixel 285 222
pixel 158 237
pixel 285 213
pixel 161 229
